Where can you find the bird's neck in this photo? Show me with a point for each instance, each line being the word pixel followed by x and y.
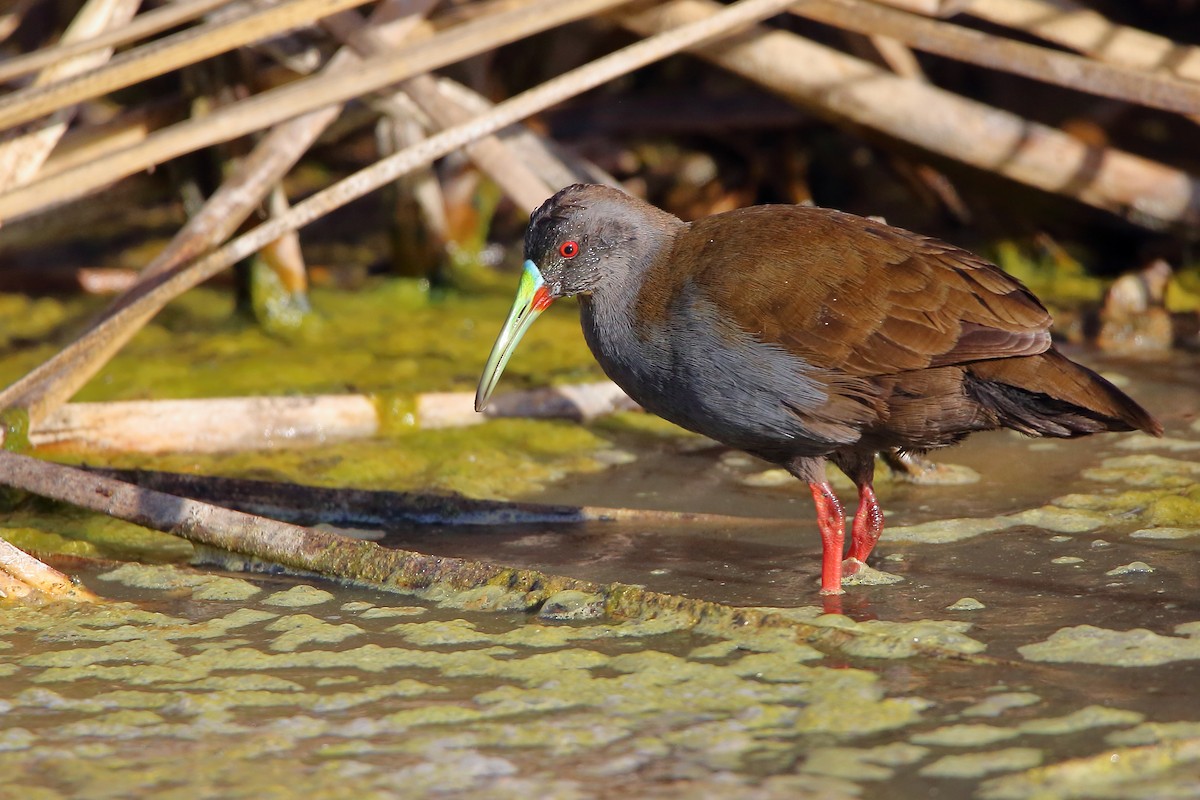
pixel 633 354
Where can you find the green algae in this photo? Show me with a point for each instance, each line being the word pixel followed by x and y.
pixel 1165 533
pixel 1166 770
pixel 1081 720
pixel 867 575
pixel 503 458
pixel 948 530
pixel 1056 278
pixel 298 630
pixel 642 424
pixel 572 605
pixel 14 429
pixel 385 612
pixel 1173 503
pixel 975 765
pixel 418 341
pixel 1088 644
pixel 1154 732
pixel 997 704
pixel 484 598
pixel 973 735
pixel 1146 470
pixel 197 347
pixel 299 597
pixel 966 604
pixel 882 639
pixel 441 698
pixel 43 527
pixel 229 589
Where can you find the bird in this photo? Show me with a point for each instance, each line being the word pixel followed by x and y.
pixel 805 336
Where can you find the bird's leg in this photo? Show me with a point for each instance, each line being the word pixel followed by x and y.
pixel 831 521
pixel 868 525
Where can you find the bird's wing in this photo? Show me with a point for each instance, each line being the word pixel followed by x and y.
pixel 858 296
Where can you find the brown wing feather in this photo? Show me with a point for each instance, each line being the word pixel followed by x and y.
pixel 846 293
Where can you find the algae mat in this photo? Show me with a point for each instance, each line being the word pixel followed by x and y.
pixel 202 685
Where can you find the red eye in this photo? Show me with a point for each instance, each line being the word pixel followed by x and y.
pixel 568 249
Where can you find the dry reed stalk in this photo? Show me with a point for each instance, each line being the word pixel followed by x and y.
pixel 832 84
pixel 301 97
pixel 55 382
pixel 85 144
pixel 23 151
pixel 12 16
pixel 491 155
pixel 165 55
pixel 284 256
pixel 52 383
pixel 1133 85
pixel 1072 25
pixel 144 25
pixel 555 165
pixel 23 570
pixel 257 423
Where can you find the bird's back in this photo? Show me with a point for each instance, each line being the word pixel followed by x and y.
pixel 856 330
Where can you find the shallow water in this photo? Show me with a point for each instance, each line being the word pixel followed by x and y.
pixel 247 686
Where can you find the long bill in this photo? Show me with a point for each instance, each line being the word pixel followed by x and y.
pixel 532 299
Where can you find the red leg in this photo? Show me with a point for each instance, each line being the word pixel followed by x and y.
pixel 868 524
pixel 832 523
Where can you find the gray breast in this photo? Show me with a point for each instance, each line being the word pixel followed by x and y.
pixel 705 374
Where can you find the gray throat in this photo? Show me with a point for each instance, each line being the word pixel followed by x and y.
pixel 638 358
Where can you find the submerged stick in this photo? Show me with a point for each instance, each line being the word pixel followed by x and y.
pixel 316 505
pixel 342 558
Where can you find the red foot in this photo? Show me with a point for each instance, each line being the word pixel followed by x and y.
pixel 868 524
pixel 851 566
pixel 831 604
pixel 831 521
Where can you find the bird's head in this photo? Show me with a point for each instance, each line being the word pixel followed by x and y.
pixel 585 237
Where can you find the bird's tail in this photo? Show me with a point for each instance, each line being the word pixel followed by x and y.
pixel 1050 395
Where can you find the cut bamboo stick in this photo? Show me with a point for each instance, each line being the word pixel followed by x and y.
pixel 86 144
